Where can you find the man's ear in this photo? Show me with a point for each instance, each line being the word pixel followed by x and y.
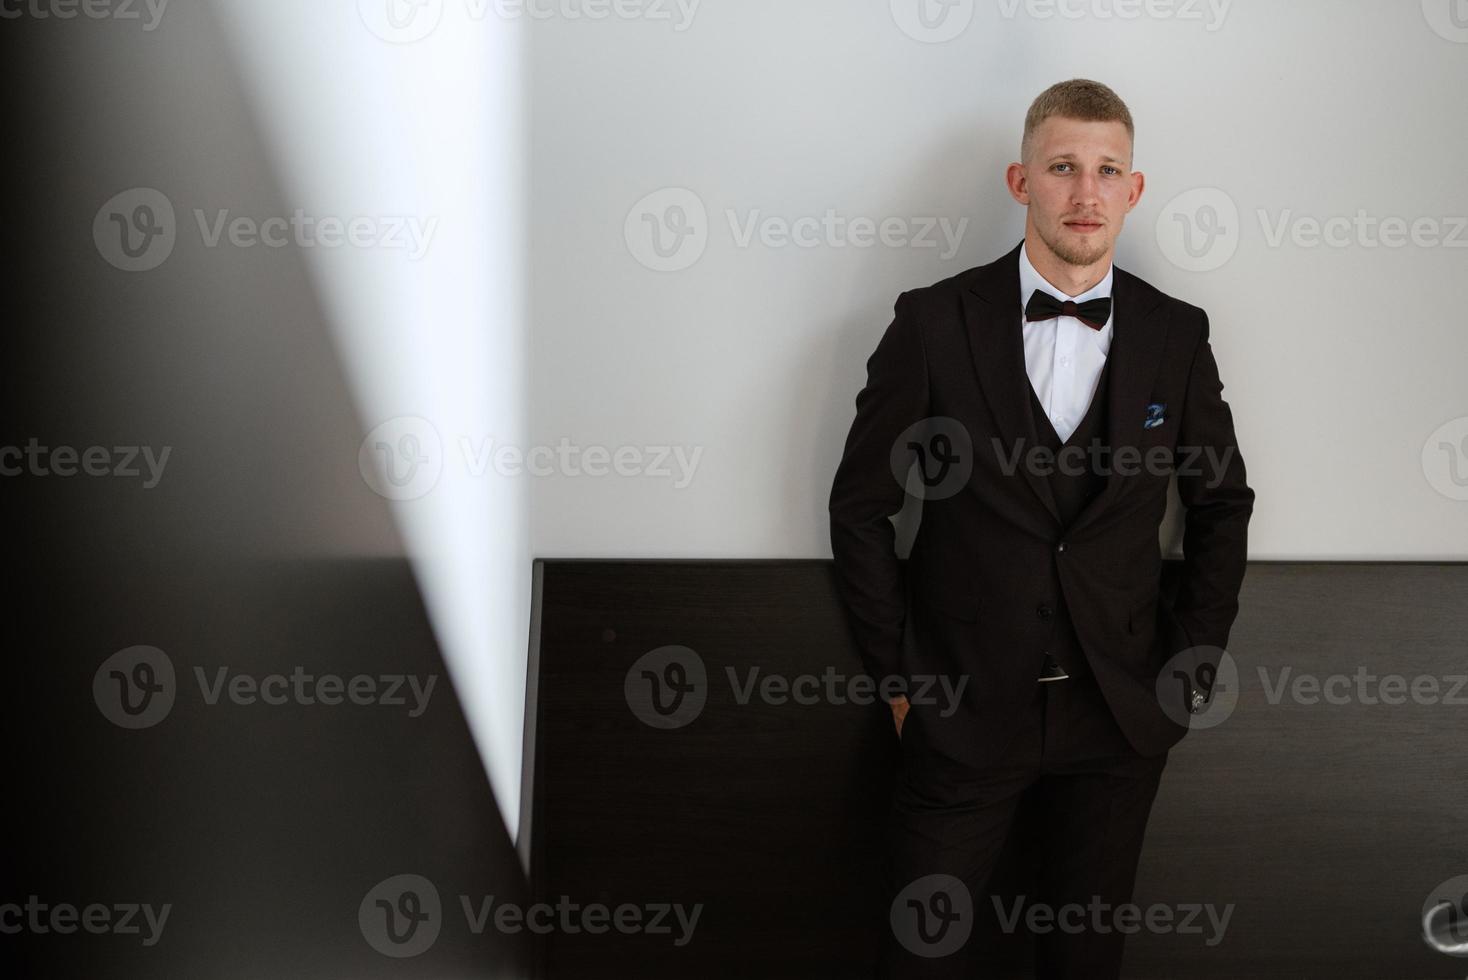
pixel 1017 181
pixel 1139 184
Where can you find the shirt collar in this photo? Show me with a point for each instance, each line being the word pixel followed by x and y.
pixel 1031 280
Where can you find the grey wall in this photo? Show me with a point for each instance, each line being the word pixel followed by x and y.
pixel 1341 363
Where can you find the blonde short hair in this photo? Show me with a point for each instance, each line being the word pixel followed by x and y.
pixel 1079 98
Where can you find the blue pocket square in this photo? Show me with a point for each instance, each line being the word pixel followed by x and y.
pixel 1154 415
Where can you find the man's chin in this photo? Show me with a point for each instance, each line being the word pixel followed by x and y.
pixel 1088 251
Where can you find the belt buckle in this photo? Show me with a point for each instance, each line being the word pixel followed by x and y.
pixel 1052 671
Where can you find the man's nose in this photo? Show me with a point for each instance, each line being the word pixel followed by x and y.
pixel 1087 190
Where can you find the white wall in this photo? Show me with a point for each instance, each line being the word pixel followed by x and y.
pixel 1339 362
pixel 725 372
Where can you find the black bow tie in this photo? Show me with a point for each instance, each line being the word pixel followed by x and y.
pixel 1093 312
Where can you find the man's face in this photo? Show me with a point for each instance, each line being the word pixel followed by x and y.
pixel 1078 186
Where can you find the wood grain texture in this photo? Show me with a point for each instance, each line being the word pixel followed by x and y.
pixel 1324 826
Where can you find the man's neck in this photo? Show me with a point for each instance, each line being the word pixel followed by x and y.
pixel 1070 279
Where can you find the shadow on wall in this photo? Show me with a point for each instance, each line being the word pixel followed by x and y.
pixel 233 730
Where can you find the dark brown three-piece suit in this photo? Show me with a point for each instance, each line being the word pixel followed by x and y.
pixel 1018 566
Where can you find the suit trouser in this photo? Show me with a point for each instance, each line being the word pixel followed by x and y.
pixel 951 820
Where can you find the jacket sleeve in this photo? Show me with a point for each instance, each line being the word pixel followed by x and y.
pixel 866 493
pixel 1212 485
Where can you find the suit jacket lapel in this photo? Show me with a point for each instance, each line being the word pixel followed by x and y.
pixel 1136 353
pixel 996 344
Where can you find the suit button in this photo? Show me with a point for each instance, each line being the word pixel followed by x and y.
pixel 1060 546
pixel 1045 611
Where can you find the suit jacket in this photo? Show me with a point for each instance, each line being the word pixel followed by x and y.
pixel 988 556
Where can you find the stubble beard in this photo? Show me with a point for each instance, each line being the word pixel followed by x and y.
pixel 1077 255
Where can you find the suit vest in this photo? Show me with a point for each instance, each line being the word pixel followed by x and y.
pixel 1072 491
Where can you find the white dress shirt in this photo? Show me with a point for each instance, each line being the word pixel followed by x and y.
pixel 1063 356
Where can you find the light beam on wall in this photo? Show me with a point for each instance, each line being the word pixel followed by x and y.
pixel 407 113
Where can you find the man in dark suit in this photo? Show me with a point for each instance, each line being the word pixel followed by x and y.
pixel 1047 399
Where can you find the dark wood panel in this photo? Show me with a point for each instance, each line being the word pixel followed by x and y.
pixel 1323 826
pixel 263 826
pixel 711 812
pixel 1326 825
